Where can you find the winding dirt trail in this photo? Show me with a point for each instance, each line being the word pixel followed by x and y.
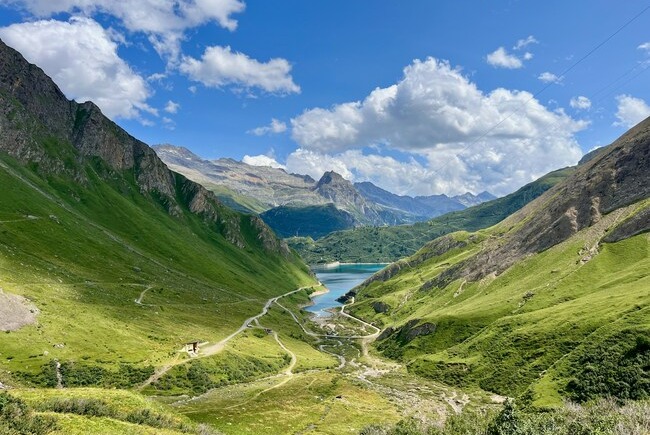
pixel 365 339
pixel 313 334
pixel 287 374
pixel 218 347
pixel 289 370
pixel 341 358
pixel 142 293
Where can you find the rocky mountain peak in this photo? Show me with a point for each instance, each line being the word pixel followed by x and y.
pixel 335 188
pixel 178 151
pixel 54 135
pixel 332 178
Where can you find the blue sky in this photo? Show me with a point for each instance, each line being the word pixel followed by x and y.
pixel 419 97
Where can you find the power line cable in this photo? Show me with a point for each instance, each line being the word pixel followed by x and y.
pixel 563 74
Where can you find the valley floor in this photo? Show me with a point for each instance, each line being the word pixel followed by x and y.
pixel 359 390
pixel 314 378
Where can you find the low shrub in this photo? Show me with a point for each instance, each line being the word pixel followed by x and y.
pixel 16 418
pixel 605 416
pixel 618 367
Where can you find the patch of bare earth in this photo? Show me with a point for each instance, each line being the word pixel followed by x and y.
pixel 15 312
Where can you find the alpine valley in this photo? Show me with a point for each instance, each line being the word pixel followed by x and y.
pixel 147 290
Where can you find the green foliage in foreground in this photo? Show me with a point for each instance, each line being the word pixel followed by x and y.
pixel 601 417
pixel 388 244
pixel 613 367
pixel 89 411
pixel 17 418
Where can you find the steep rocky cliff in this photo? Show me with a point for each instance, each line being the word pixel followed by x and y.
pixel 615 177
pixel 340 191
pixel 40 127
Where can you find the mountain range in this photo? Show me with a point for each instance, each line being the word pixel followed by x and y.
pixel 388 244
pixel 287 201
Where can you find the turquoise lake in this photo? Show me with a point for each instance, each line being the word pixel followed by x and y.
pixel 339 280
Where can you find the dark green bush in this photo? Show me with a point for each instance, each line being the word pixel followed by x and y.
pixel 84 375
pixel 17 418
pixel 81 406
pixel 601 417
pixel 618 367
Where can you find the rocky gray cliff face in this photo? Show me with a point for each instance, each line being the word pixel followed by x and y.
pixel 36 110
pixel 614 178
pixel 341 192
pixel 271 187
pixel 39 126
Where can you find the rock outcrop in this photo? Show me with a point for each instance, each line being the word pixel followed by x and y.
pixel 615 177
pixel 41 128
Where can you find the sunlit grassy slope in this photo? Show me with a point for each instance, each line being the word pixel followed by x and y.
pixel 531 330
pixel 84 254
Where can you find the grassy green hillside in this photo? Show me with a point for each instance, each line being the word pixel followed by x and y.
pixel 549 305
pixel 109 264
pixel 386 244
pixel 313 221
pixel 84 254
pixel 529 331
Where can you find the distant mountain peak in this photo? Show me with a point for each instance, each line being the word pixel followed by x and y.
pixel 468 199
pixel 179 151
pixel 332 177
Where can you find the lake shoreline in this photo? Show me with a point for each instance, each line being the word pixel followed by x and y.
pixel 337 264
pixel 337 279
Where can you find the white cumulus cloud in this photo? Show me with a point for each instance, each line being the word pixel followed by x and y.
pixel 409 178
pixel 220 67
pixel 525 42
pixel 172 107
pixel 163 20
pixel 645 47
pixel 274 127
pixel 315 164
pixel 580 102
pixel 82 59
pixel 262 160
pixel 631 111
pixel 500 58
pixel 471 140
pixel 549 77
